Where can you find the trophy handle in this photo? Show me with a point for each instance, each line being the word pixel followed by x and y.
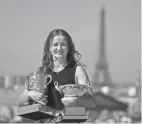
pixel 48 79
pixel 57 86
pixel 55 83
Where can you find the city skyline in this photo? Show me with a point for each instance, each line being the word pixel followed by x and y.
pixel 25 26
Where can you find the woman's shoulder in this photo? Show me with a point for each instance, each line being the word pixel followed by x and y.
pixel 77 66
pixel 81 75
pixel 80 69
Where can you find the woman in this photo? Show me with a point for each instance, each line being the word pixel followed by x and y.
pixel 61 61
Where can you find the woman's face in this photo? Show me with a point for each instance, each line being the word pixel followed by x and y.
pixel 59 47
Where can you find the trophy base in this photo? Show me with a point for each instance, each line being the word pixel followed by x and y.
pixel 74 119
pixel 37 112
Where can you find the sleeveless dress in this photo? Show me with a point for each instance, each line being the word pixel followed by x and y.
pixel 65 76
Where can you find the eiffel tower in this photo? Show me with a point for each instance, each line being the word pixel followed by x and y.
pixel 101 75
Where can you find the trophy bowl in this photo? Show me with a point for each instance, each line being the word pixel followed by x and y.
pixel 69 101
pixel 71 90
pixel 38 82
pixel 77 95
pixel 71 93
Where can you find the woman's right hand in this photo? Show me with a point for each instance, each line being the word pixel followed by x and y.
pixel 38 97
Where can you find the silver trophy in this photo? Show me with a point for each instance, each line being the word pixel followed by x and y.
pixel 38 82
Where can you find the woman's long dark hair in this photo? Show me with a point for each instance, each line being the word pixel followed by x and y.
pixel 72 56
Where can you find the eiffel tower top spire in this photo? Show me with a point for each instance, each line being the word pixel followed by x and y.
pixel 102 35
pixel 102 72
pixel 103 6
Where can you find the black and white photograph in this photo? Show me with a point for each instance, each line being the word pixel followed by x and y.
pixel 70 61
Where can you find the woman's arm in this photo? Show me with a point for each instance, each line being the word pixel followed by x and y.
pixel 24 96
pixel 81 76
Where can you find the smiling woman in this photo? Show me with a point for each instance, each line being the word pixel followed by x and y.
pixel 60 61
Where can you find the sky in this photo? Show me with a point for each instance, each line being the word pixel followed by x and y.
pixel 25 25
